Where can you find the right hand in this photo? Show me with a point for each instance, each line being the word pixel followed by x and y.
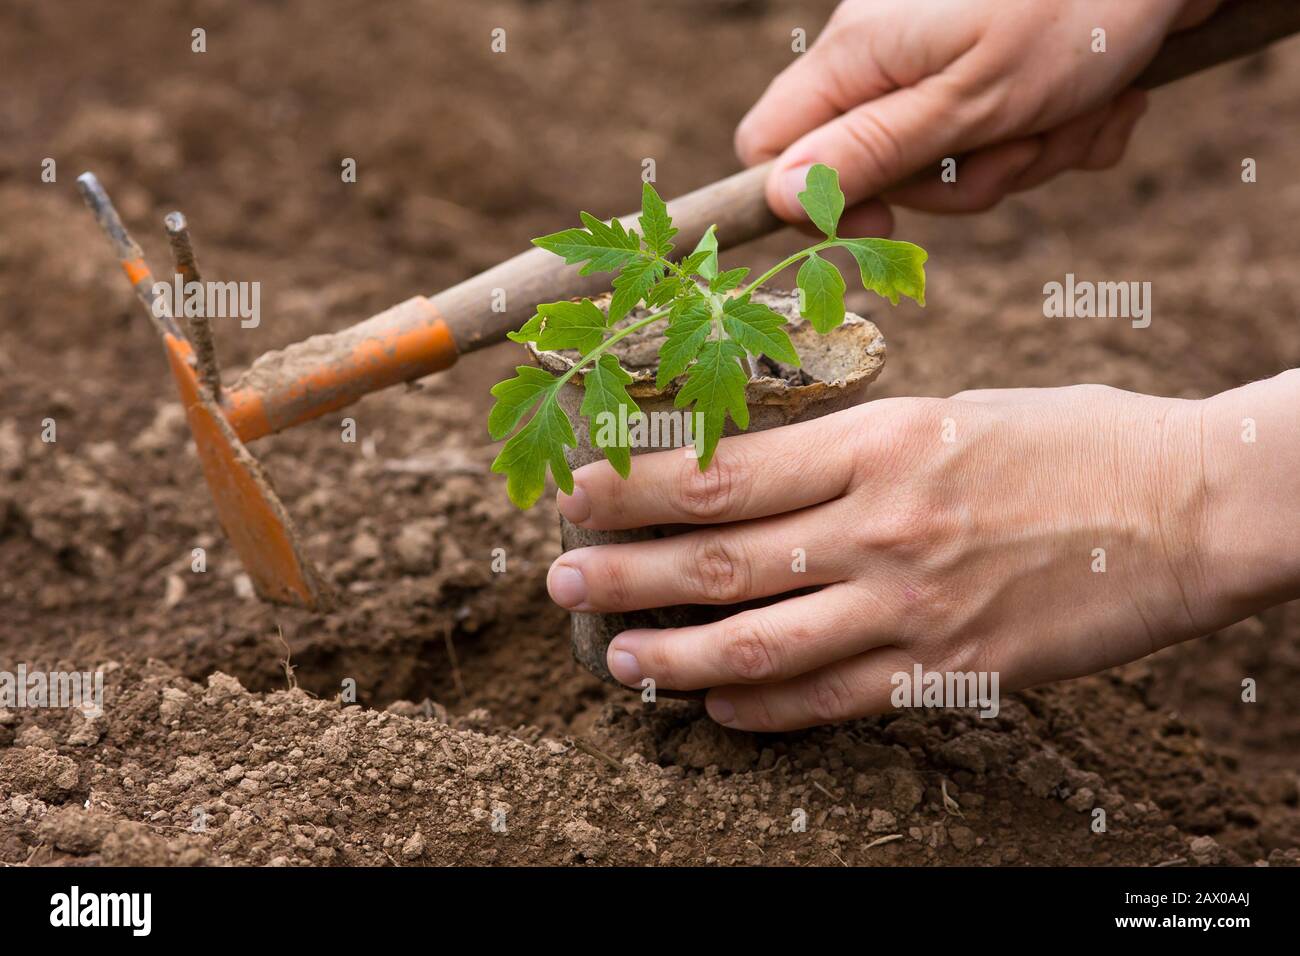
pixel 892 87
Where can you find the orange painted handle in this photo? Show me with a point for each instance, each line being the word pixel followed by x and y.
pixel 327 372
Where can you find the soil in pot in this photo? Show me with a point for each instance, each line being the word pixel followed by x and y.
pixel 837 368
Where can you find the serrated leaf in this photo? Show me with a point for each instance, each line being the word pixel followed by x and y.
pixel 565 325
pixel 603 247
pixel 822 293
pixel 656 226
pixel 539 444
pixel 890 268
pixel 715 387
pixel 605 393
pixel 726 281
pixel 688 327
pixel 663 291
pixel 691 264
pixel 514 397
pixel 822 198
pixel 708 244
pixel 759 330
pixel 632 284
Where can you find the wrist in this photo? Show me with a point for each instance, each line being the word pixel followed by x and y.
pixel 1249 539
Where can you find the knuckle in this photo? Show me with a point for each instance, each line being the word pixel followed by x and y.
pixel 658 662
pixel 749 652
pixel 710 494
pixel 762 714
pixel 719 576
pixel 1095 391
pixel 829 698
pixel 879 146
pixel 906 526
pixel 616 579
pixel 901 429
pixel 986 104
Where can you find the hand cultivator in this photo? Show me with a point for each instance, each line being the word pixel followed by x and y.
pixel 422 336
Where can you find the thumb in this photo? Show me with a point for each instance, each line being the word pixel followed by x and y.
pixel 873 146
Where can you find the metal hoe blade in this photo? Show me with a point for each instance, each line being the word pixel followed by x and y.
pixel 250 512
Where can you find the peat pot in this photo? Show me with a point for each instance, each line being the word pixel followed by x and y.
pixel 837 368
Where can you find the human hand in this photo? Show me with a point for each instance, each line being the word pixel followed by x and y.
pixel 961 534
pixel 891 87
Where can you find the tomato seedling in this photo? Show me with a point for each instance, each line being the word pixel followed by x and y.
pixel 713 329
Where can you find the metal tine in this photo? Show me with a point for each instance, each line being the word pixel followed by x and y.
pixel 129 255
pixel 178 234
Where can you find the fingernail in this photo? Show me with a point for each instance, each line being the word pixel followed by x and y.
pixel 790 185
pixel 576 507
pixel 622 663
pixel 567 586
pixel 720 709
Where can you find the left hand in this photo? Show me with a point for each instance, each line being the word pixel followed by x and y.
pixel 961 534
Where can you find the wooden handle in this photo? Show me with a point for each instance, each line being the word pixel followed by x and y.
pixel 1238 28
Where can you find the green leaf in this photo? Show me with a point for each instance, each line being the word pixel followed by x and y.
pixel 565 325
pixel 664 291
pixel 691 264
pixel 726 281
pixel 715 385
pixel 656 225
pixel 514 397
pixel 822 289
pixel 890 268
pixel 822 199
pixel 605 393
pixel 759 330
pixel 539 443
pixel 632 284
pixel 689 324
pixel 708 244
pixel 604 247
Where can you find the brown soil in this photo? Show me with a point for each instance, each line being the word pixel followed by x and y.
pixel 462 155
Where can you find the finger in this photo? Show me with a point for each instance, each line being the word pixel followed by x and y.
pixel 983 178
pixel 1094 141
pixel 724 565
pixel 873 146
pixel 841 691
pixel 837 73
pixel 1002 396
pixel 800 98
pixel 751 476
pixel 1112 139
pixel 1064 148
pixel 773 643
pixel 863 53
pixel 1194 14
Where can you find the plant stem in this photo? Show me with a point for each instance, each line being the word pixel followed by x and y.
pixel 786 263
pixel 672 266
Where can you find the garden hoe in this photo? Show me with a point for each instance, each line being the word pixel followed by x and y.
pixel 422 335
